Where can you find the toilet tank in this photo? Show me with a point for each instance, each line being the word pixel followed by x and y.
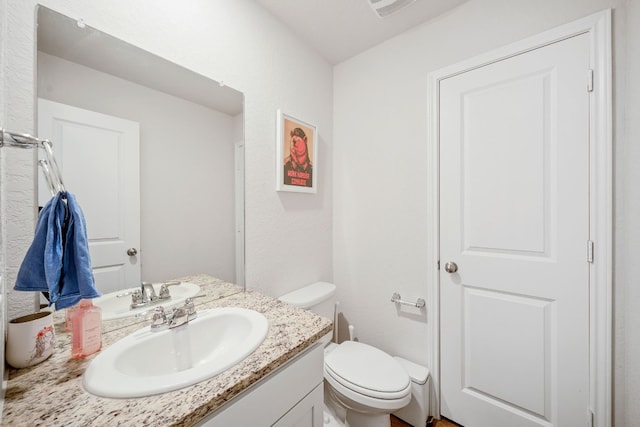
pixel 318 297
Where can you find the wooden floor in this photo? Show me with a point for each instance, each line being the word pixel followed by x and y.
pixel 396 422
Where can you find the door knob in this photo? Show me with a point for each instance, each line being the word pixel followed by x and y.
pixel 451 267
pixel 132 252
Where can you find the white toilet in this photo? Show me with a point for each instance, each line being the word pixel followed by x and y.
pixel 364 382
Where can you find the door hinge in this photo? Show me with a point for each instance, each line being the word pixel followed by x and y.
pixel 438 264
pixel 589 80
pixel 590 250
pixel 590 418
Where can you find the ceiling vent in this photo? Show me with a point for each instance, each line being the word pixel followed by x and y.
pixel 384 8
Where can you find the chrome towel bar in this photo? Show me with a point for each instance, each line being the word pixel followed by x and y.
pixel 49 165
pixel 396 298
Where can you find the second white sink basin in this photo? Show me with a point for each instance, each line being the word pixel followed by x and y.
pixel 117 305
pixel 147 363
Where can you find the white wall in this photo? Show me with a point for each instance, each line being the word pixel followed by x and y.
pixel 288 235
pixel 3 302
pixel 16 175
pixel 627 213
pixel 187 196
pixel 380 158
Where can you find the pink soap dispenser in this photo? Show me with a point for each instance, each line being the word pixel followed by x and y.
pixel 86 329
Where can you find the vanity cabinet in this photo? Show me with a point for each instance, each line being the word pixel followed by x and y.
pixel 292 396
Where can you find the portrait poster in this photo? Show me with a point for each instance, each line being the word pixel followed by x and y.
pixel 297 155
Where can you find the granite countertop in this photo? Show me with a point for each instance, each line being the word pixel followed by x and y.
pixel 51 393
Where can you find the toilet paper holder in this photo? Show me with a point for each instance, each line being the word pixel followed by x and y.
pixel 396 298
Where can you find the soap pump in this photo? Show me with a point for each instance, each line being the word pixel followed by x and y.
pixel 86 329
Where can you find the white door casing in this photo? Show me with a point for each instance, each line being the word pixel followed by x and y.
pixel 98 157
pixel 239 202
pixel 540 397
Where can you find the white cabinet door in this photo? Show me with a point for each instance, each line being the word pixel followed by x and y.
pixel 290 396
pixel 98 157
pixel 307 413
pixel 514 218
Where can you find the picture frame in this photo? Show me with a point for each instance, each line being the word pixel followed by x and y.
pixel 297 155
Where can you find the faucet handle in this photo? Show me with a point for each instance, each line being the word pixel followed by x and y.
pixel 136 298
pixel 164 289
pixel 191 307
pixel 159 319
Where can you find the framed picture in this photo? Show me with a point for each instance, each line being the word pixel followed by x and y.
pixel 297 155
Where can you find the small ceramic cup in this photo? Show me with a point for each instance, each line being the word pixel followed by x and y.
pixel 30 339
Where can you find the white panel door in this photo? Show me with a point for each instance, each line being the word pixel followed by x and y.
pixel 514 203
pixel 99 159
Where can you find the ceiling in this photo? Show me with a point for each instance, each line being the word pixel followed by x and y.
pixel 340 29
pixel 336 29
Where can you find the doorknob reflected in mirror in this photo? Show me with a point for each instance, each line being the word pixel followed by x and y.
pixel 451 267
pixel 132 252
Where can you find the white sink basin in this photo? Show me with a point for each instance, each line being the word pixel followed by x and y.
pixel 116 305
pixel 147 363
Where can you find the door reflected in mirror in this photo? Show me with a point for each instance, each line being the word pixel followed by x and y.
pixel 154 153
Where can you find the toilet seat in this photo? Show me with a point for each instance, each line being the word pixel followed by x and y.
pixel 367 374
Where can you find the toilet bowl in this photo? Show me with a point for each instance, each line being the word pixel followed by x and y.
pixel 368 382
pixel 364 382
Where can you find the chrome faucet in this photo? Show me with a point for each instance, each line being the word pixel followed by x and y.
pixel 148 292
pixel 143 296
pixel 180 315
pixel 146 295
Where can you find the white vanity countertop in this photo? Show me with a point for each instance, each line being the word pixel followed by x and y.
pixel 51 393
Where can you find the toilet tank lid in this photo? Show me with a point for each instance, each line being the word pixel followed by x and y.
pixel 309 295
pixel 418 373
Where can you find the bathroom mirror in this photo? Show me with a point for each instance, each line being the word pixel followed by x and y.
pixel 191 165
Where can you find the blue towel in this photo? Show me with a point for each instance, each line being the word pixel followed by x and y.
pixel 58 259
